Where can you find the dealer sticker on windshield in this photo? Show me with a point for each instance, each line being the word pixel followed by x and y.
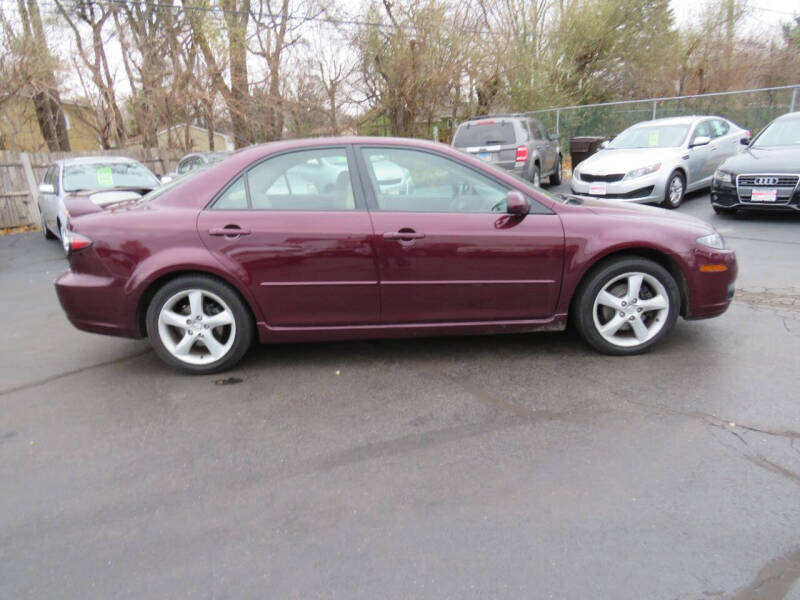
pixel 105 178
pixel 764 195
pixel 597 189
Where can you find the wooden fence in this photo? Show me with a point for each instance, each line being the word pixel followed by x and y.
pixel 21 173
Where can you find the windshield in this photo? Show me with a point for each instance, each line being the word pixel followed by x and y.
pixel 785 132
pixel 650 136
pixel 93 176
pixel 485 133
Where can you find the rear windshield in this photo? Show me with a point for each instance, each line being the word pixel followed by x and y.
pixel 93 176
pixel 485 133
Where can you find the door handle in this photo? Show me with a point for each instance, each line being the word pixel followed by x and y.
pixel 402 235
pixel 228 231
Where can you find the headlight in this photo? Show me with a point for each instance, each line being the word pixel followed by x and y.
pixel 712 240
pixel 576 173
pixel 723 176
pixel 643 171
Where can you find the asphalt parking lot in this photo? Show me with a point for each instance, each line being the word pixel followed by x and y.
pixel 522 466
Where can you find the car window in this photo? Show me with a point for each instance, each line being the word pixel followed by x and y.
pixel 650 136
pixel 184 165
pixel 234 197
pixel 719 128
pixel 49 177
pixel 702 130
pixel 417 181
pixel 487 132
pixel 538 130
pixel 781 132
pixel 307 180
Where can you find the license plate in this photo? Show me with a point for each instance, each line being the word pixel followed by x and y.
pixel 597 189
pixel 764 195
pixel 485 155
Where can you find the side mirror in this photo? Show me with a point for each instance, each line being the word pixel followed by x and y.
pixel 702 140
pixel 46 188
pixel 604 144
pixel 745 141
pixel 553 137
pixel 517 203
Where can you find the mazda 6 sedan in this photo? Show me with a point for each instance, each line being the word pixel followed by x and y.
pixel 255 248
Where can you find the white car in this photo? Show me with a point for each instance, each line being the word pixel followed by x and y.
pixel 112 178
pixel 659 161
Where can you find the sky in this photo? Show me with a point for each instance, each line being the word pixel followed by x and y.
pixel 762 14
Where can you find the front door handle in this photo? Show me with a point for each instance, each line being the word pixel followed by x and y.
pixel 228 231
pixel 404 235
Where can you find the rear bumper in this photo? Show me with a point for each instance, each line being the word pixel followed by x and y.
pixel 97 304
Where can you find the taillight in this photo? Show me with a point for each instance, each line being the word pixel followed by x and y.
pixel 522 154
pixel 76 242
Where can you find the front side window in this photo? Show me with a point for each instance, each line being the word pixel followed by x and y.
pixel 416 181
pixel 719 127
pixel 316 180
pixel 93 176
pixel 702 130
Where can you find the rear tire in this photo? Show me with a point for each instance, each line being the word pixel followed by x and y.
pixel 626 306
pixel 555 178
pixel 198 324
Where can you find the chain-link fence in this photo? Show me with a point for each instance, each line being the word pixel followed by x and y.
pixel 751 109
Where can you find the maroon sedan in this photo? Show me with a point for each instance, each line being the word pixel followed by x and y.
pixel 371 237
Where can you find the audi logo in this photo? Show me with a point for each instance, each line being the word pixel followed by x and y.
pixel 766 181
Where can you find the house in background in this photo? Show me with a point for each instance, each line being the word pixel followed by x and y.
pixel 19 129
pixel 192 138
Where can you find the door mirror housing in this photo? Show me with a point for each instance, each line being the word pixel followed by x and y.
pixel 46 188
pixel 517 203
pixel 745 141
pixel 604 144
pixel 702 140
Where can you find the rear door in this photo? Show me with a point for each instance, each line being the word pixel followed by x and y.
pixel 546 148
pixel 726 139
pixel 447 250
pixel 493 140
pixel 303 244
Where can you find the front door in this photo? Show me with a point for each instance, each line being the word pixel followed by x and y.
pixel 447 250
pixel 293 230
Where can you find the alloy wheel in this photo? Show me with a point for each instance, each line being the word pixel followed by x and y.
pixel 197 327
pixel 630 309
pixel 675 190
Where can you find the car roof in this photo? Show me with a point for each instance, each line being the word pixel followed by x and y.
pixel 83 160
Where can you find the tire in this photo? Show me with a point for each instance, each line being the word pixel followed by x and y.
pixel 195 299
pixel 723 211
pixel 555 178
pixel 635 328
pixel 673 198
pixel 536 177
pixel 48 235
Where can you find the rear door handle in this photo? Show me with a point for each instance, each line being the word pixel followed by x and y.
pixel 403 235
pixel 228 231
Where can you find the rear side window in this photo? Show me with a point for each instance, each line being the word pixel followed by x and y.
pixel 234 198
pixel 538 130
pixel 485 133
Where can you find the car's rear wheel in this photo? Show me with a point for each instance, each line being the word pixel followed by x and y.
pixel 627 306
pixel 675 190
pixel 48 235
pixel 199 325
pixel 536 177
pixel 555 178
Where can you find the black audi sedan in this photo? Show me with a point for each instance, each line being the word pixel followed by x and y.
pixel 765 176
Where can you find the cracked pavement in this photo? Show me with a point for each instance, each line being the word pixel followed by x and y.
pixel 522 466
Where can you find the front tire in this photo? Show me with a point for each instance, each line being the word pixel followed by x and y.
pixel 675 190
pixel 198 324
pixel 48 235
pixel 626 306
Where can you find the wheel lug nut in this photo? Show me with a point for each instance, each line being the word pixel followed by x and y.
pixel 199 317
pixel 188 321
pixel 639 309
pixel 631 318
pixel 633 301
pixel 624 303
pixel 621 314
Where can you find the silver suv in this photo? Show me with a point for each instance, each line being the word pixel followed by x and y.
pixel 515 142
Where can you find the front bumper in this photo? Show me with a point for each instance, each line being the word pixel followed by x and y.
pixel 726 196
pixel 97 304
pixel 711 289
pixel 642 190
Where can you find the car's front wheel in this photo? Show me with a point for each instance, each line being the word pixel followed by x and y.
pixel 675 190
pixel 199 325
pixel 626 306
pixel 48 235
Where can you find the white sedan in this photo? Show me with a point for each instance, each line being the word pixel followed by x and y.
pixel 659 161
